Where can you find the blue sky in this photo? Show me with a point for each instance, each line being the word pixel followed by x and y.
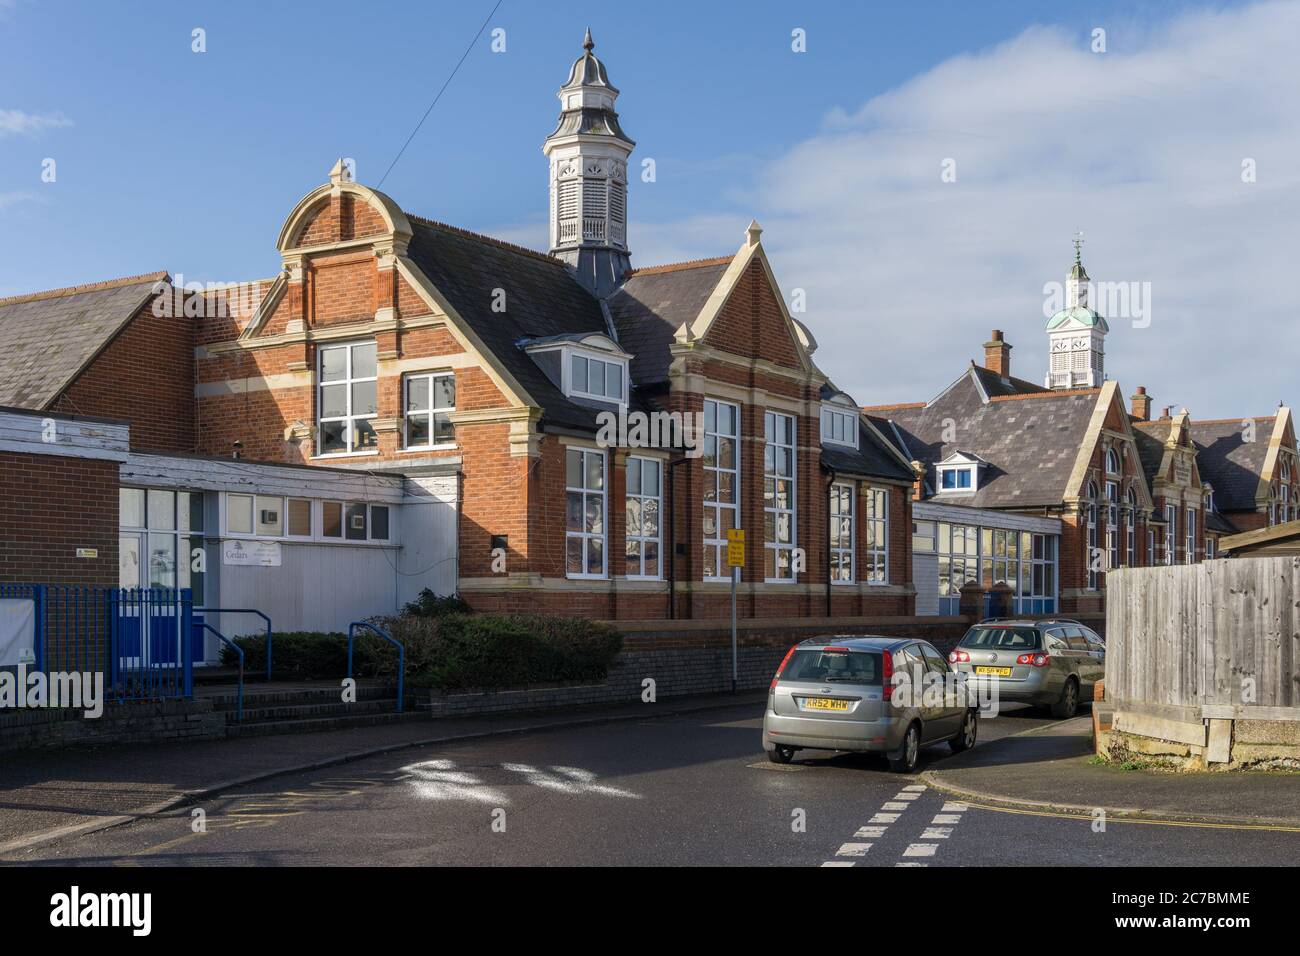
pixel 168 159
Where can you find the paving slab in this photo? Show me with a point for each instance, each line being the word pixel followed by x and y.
pixel 1052 768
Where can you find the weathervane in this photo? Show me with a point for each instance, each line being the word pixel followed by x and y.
pixel 1078 243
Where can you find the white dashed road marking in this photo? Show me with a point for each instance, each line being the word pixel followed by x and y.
pixel 936 833
pixel 921 849
pixel 891 810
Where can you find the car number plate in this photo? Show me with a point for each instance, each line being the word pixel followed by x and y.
pixel 825 703
pixel 994 671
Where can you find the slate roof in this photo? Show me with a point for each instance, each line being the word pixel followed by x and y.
pixel 653 304
pixel 1030 441
pixel 50 337
pixel 871 458
pixel 1229 462
pixel 542 299
pixel 1150 438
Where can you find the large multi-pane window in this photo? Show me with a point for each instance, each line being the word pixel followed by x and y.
pixel 875 559
pixel 160 541
pixel 778 496
pixel 429 401
pixel 1040 596
pixel 1092 555
pixel 842 508
pixel 644 496
pixel 721 484
pixel 1130 528
pixel 1171 526
pixel 958 562
pixel 347 401
pixel 1191 536
pixel 585 534
pixel 1024 561
pixel 1112 524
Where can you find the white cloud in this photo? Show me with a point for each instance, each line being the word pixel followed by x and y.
pixel 17 122
pixel 1140 147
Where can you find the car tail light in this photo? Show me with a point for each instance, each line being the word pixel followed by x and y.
pixel 1034 660
pixel 958 657
pixel 785 660
pixel 835 650
pixel 887 673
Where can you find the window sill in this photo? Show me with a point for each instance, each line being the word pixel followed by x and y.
pixel 345 454
pixel 420 449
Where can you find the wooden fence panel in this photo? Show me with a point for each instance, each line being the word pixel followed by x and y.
pixel 1191 635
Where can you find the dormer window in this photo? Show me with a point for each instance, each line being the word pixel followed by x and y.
pixel 588 366
pixel 593 377
pixel 956 479
pixel 959 473
pixel 839 418
pixel 839 427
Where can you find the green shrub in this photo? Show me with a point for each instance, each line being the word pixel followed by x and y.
pixel 449 651
pixel 428 604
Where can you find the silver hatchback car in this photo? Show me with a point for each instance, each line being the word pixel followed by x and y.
pixel 1049 663
pixel 840 694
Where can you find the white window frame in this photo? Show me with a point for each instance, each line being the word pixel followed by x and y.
pixel 876 549
pixel 840 491
pixel 642 539
pixel 347 382
pixel 1112 458
pixel 317 513
pixel 957 470
pixel 1209 548
pixel 1130 529
pixel 592 355
pixel 433 411
pixel 1112 524
pixel 1190 557
pixel 847 419
pixel 584 492
pixel 1151 547
pixel 1171 534
pixel 772 445
pixel 720 571
pixel 1092 536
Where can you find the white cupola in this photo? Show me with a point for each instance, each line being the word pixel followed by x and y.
pixel 588 152
pixel 1076 335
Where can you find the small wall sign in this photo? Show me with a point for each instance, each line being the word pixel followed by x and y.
pixel 88 552
pixel 264 554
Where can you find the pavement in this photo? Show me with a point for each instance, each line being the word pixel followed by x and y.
pixel 53 794
pixel 1052 768
pixel 686 788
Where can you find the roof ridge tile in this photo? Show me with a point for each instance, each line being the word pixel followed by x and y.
pixel 88 287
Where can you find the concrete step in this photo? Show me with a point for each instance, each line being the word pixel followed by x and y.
pixel 261 696
pixel 316 724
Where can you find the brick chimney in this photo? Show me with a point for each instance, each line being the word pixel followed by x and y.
pixel 1141 405
pixel 1166 414
pixel 997 355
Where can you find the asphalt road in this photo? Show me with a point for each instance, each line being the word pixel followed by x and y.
pixel 692 789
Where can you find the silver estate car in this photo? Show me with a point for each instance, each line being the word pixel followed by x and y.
pixel 1049 663
pixel 832 694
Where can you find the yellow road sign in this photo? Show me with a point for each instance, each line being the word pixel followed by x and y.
pixel 735 548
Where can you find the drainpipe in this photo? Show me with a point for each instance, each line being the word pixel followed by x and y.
pixel 672 535
pixel 830 483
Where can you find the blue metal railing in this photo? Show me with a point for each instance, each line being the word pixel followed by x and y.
pixel 401 655
pixel 248 610
pixel 239 689
pixel 141 639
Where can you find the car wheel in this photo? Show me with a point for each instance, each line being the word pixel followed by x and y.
pixel 1069 702
pixel 781 754
pixel 965 738
pixel 909 753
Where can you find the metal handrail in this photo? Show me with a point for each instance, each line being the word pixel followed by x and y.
pixel 239 692
pixel 247 610
pixel 401 655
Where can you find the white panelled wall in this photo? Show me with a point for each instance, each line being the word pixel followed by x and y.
pixel 316 573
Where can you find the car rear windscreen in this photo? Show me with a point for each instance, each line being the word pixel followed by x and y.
pixel 850 667
pixel 1011 638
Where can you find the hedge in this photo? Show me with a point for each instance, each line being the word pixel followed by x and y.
pixel 450 652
